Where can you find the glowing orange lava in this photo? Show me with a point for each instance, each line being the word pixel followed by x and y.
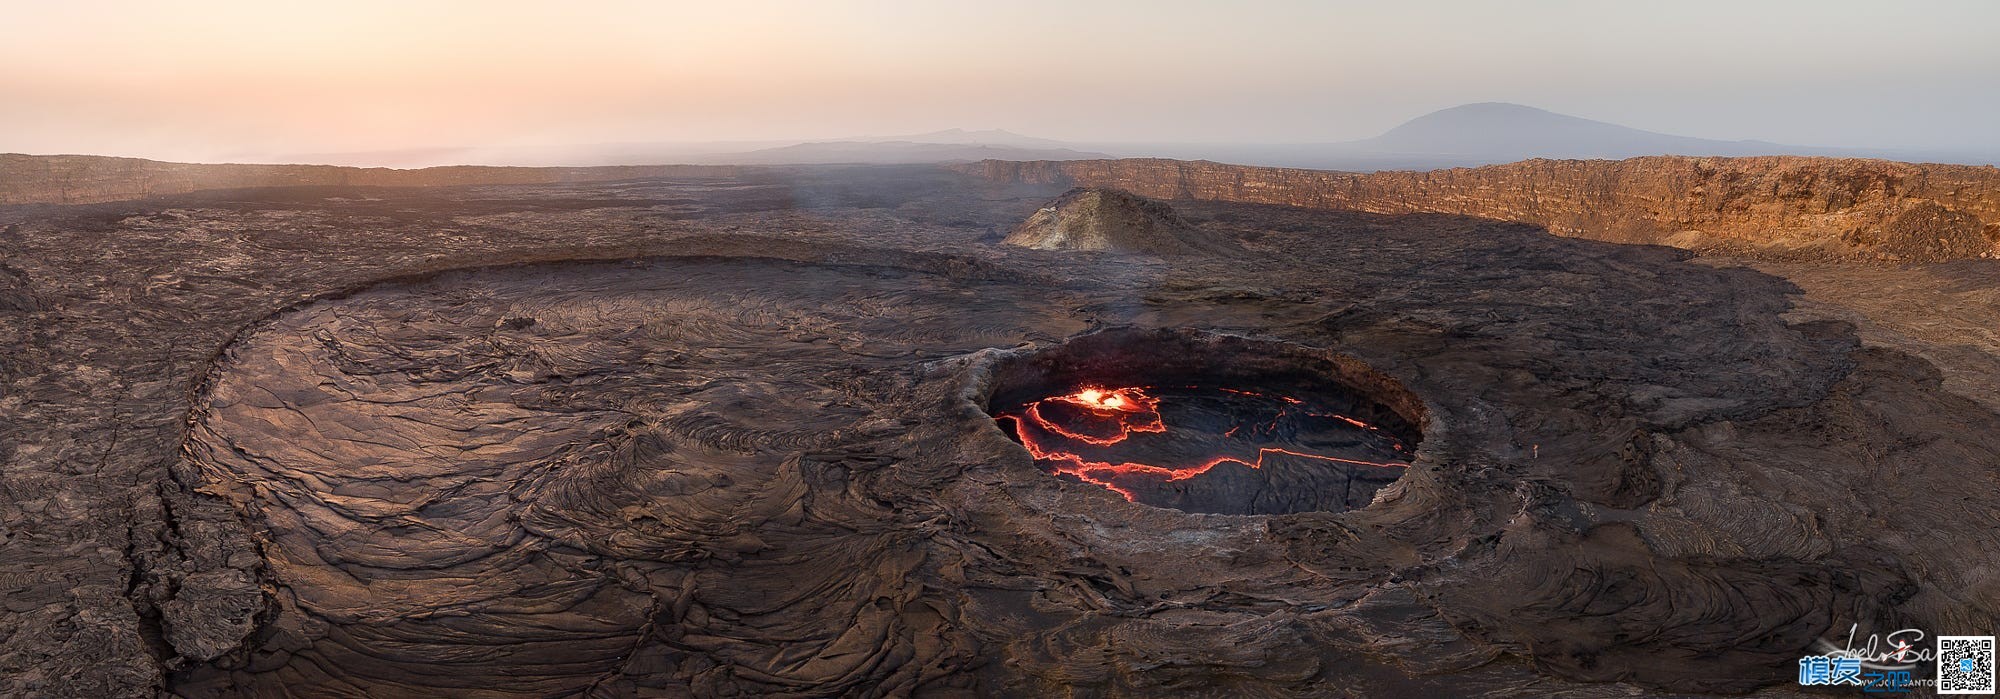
pixel 1102 417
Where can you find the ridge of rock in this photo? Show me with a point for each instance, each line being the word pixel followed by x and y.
pixel 1779 207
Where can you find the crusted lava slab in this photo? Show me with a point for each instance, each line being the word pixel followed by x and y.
pixel 729 436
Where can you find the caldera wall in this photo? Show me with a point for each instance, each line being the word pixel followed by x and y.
pixel 1785 207
pixel 1778 206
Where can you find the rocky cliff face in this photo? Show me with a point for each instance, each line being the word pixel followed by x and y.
pixel 1779 207
pixel 85 179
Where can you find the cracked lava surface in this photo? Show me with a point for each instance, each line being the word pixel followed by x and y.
pixel 1210 448
pixel 731 437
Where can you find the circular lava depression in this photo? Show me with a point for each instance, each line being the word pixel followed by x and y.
pixel 1211 423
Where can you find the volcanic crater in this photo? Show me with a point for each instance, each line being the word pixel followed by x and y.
pixel 1206 423
pixel 776 433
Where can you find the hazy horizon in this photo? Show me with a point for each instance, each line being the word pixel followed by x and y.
pixel 237 80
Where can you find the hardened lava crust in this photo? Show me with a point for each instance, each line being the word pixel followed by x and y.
pixel 730 435
pixel 1208 423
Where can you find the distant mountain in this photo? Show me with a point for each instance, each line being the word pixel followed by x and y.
pixel 987 137
pixel 1490 133
pixel 403 158
pixel 1469 135
pixel 1502 132
pixel 573 155
pixel 949 145
pixel 895 153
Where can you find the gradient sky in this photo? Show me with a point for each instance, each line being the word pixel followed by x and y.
pixel 227 79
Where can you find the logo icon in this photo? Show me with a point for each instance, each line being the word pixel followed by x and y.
pixel 1965 665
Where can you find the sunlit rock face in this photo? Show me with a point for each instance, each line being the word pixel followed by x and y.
pixel 1790 208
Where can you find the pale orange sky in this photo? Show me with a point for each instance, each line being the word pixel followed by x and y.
pixel 243 80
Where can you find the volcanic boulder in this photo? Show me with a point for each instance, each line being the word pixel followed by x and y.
pixel 1101 218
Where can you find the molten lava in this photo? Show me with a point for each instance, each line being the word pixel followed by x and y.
pixel 1094 433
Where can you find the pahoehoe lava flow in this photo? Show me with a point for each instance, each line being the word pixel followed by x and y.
pixel 777 433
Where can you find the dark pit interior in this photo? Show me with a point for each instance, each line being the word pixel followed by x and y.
pixel 1204 422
